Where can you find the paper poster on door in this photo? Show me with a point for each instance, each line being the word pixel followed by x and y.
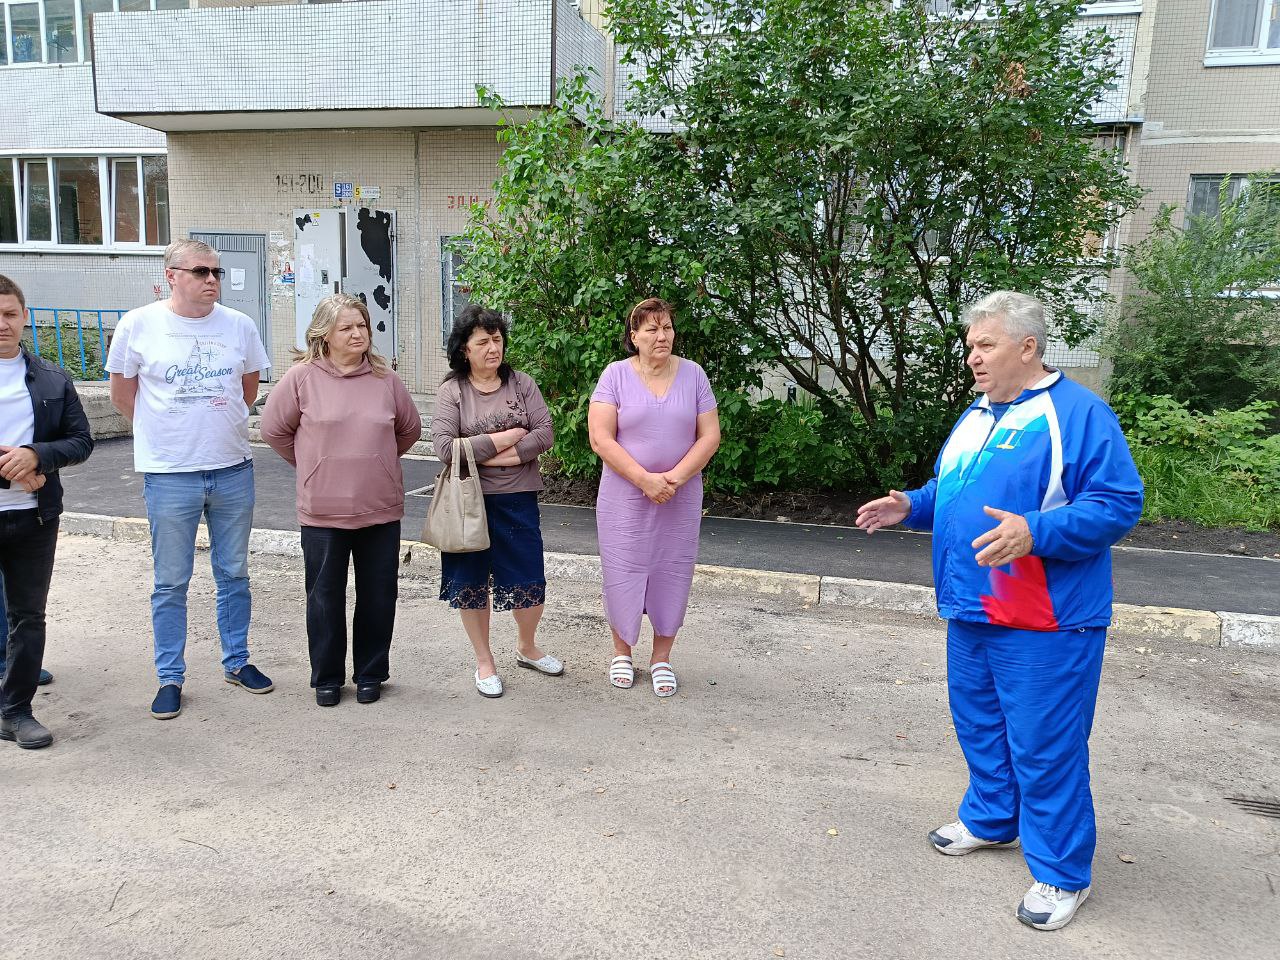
pixel 235 276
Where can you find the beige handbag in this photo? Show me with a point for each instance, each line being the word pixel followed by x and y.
pixel 456 519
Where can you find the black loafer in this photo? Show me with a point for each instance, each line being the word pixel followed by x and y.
pixel 328 696
pixel 368 692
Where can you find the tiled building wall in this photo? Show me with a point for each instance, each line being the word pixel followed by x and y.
pixel 86 281
pixel 1197 119
pixel 1184 97
pixel 253 181
pixel 579 45
pixel 1113 105
pixel 334 56
pixel 276 173
pixel 51 108
pixel 456 169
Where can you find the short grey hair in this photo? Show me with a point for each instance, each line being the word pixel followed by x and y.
pixel 179 250
pixel 1020 315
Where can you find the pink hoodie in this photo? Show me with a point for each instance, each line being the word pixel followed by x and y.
pixel 344 433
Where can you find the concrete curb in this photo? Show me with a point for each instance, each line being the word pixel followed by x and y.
pixel 1202 627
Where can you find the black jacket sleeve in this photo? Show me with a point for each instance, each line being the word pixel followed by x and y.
pixel 73 443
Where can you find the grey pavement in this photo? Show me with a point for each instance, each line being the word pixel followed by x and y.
pixel 107 484
pixel 776 807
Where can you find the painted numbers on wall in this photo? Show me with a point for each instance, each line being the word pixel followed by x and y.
pixel 462 201
pixel 300 184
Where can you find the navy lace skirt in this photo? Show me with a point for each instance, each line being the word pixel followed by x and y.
pixel 511 569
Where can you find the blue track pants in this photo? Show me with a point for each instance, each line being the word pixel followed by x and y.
pixel 1022 702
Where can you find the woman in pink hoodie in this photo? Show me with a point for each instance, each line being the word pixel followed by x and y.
pixel 343 418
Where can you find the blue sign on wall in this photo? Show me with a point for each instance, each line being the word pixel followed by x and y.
pixel 343 191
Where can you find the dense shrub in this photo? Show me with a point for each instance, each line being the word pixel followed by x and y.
pixel 1217 469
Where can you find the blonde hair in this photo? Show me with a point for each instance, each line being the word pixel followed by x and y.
pixel 323 322
pixel 179 250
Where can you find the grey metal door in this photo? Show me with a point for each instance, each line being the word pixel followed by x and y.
pixel 244 288
pixel 318 257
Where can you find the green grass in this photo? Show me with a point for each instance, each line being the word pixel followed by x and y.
pixel 1182 485
pixel 93 353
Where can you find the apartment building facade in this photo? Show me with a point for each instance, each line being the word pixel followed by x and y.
pixel 341 145
pixel 1208 102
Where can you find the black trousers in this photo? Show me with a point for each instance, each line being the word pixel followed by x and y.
pixel 326 554
pixel 26 560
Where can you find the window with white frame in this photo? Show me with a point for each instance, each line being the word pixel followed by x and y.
pixel 59 31
pixel 85 201
pixel 1244 31
pixel 455 295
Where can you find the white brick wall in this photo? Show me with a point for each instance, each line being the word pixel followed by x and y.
pixel 85 281
pixel 51 108
pixel 383 54
pixel 579 45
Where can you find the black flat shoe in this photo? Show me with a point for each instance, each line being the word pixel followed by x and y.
pixel 328 696
pixel 368 692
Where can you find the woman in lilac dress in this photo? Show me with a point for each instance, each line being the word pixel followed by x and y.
pixel 653 422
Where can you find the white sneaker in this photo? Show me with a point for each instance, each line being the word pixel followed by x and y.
pixel 1047 907
pixel 489 687
pixel 955 840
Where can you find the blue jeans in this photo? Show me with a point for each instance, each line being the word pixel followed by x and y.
pixel 175 504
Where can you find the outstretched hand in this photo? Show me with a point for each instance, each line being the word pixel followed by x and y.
pixel 1004 543
pixel 884 512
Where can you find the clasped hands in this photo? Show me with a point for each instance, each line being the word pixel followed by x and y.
pixel 1004 543
pixel 18 465
pixel 660 487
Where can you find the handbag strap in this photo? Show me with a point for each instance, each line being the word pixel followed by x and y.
pixel 465 444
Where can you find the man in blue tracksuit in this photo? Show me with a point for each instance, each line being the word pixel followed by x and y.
pixel 1031 490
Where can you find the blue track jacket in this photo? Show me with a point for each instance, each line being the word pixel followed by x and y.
pixel 1058 458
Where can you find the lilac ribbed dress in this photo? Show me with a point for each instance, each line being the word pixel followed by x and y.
pixel 647 550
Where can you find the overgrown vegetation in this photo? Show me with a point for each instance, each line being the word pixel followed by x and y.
pixel 1198 327
pixel 1197 362
pixel 1216 469
pixel 841 178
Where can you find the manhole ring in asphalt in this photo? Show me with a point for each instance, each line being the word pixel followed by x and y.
pixel 1258 806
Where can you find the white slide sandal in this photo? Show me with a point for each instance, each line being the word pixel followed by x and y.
pixel 663 676
pixel 622 673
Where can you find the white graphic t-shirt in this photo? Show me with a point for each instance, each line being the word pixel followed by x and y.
pixel 17 425
pixel 190 412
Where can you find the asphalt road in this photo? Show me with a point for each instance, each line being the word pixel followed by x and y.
pixel 107 484
pixel 776 806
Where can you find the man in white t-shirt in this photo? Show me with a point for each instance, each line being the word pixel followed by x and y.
pixel 185 371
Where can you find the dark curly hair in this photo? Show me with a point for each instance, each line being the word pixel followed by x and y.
pixel 490 321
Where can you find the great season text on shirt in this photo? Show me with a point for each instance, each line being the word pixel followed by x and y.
pixel 190 412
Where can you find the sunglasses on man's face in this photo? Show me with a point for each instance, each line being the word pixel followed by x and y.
pixel 203 272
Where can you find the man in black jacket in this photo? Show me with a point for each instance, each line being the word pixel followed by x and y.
pixel 42 429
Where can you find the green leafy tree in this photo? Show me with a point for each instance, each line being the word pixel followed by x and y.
pixel 876 168
pixel 840 178
pixel 1200 327
pixel 589 219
